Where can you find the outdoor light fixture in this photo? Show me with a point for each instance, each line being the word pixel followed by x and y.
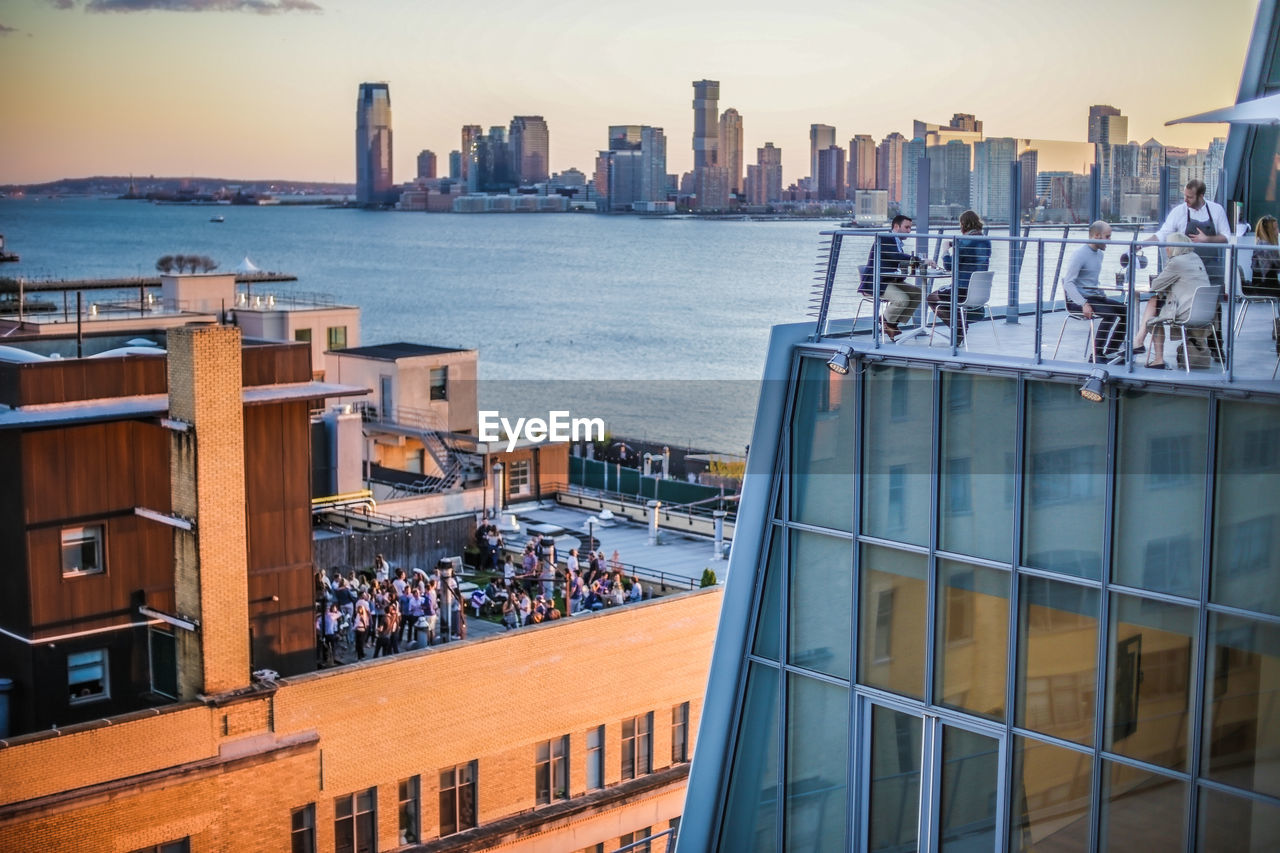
pixel 1092 389
pixel 839 362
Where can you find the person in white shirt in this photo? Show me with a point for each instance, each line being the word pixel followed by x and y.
pixel 1204 222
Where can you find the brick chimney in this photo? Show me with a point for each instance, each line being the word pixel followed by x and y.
pixel 207 482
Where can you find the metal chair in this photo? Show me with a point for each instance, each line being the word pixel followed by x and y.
pixel 1204 310
pixel 1088 342
pixel 976 295
pixel 1247 299
pixel 863 298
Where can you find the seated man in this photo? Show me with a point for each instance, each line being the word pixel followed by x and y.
pixel 1085 296
pixel 901 299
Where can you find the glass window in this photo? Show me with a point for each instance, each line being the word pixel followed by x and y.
pixel 1065 480
pixel 302 335
pixel 975 518
pixel 518 477
pixel 439 381
pixel 302 833
pixel 551 771
pixel 336 337
pixel 820 602
pixel 1057 658
pixel 1141 810
pixel 680 733
pixel 892 640
pixel 767 639
pixel 969 791
pixel 410 810
pixel 1149 684
pixel 1050 788
pixel 595 758
pixel 822 440
pixel 1159 502
pixel 973 638
pixel 1246 553
pixel 458 798
pixel 898 445
pixel 896 743
pixel 88 676
pixel 82 550
pixel 637 746
pixel 1230 824
pixel 817 765
pixel 751 805
pixel 354 822
pixel 1242 689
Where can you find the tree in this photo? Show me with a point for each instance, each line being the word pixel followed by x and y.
pixel 165 263
pixel 708 578
pixel 180 261
pixel 207 264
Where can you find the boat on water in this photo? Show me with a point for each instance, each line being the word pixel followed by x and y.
pixel 6 256
pixel 217 219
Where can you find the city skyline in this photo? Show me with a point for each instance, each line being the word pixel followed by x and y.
pixel 89 106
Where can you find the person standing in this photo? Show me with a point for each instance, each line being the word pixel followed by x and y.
pixel 362 622
pixel 1205 223
pixel 1085 295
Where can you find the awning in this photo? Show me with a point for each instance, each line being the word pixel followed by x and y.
pixel 1264 110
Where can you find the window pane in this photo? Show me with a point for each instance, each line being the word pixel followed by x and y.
pixel 1050 789
pixel 1160 492
pixel 1066 480
pixel 750 811
pixel 1057 658
pixel 1242 688
pixel 820 604
pixel 979 426
pixel 817 765
pixel 822 436
pixel 972 638
pixel 1141 810
pixel 895 779
pixel 898 424
pixel 595 758
pixel 767 639
pixel 892 640
pixel 467 796
pixel 1149 687
pixel 1246 553
pixel 1230 824
pixel 970 789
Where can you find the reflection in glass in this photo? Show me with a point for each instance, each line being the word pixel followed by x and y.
pixel 1246 525
pixel 1230 824
pixel 817 794
pixel 1057 658
pixel 1141 810
pixel 1149 680
pixel 970 787
pixel 1050 791
pixel 1066 480
pixel 751 807
pixel 1242 689
pixel 972 638
pixel 822 436
pixel 767 636
pixel 897 448
pixel 895 779
pixel 820 603
pixel 1159 515
pixel 979 423
pixel 893 635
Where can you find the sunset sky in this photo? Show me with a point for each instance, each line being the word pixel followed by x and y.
pixel 267 88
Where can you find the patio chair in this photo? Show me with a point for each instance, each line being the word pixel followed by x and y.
pixel 863 298
pixel 1247 299
pixel 1204 310
pixel 977 295
pixel 1088 342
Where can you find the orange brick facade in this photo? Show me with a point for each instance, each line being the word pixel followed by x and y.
pixel 226 773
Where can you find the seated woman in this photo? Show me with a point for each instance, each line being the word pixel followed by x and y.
pixel 1172 293
pixel 972 254
pixel 1265 278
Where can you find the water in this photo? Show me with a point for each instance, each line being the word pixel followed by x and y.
pixel 657 326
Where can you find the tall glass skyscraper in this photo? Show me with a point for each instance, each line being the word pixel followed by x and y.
pixel 374 184
pixel 530 142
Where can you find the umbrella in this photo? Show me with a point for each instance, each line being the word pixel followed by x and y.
pixel 1264 110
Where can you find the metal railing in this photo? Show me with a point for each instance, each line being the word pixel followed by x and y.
pixel 1028 271
pixel 659 842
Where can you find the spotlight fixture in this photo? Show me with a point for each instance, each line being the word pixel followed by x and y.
pixel 1092 389
pixel 839 362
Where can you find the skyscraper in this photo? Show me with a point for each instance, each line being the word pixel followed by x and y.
pixel 830 175
pixel 821 137
pixel 530 149
pixel 706 124
pixel 1029 161
pixel 769 170
pixel 455 165
pixel 470 133
pixel 862 162
pixel 373 144
pixel 731 147
pixel 913 152
pixel 634 169
pixel 1108 128
pixel 991 159
pixel 653 164
pixel 889 166
pixel 426 164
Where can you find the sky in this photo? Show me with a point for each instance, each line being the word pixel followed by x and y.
pixel 258 89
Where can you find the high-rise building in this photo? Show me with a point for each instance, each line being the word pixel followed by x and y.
pixel 830 174
pixel 374 183
pixel 706 123
pixel 767 186
pixel 889 166
pixel 653 164
pixel 712 188
pixel 455 165
pixel 953 179
pixel 1213 165
pixel 470 134
pixel 1029 162
pixel 426 164
pixel 530 149
pixel 962 126
pixel 862 162
pixel 626 137
pixel 991 159
pixel 1106 125
pixel 912 154
pixel 821 137
pixel 634 169
pixel 731 147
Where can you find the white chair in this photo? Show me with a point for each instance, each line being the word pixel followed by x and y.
pixel 1088 342
pixel 976 295
pixel 863 298
pixel 1247 299
pixel 1204 309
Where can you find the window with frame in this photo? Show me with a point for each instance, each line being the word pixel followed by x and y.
pixel 302 831
pixel 518 477
pixel 88 676
pixel 680 733
pixel 355 822
pixel 551 771
pixel 302 336
pixel 411 810
pixel 82 550
pixel 182 845
pixel 458 798
pixel 595 758
pixel 637 746
pixel 336 337
pixel 439 383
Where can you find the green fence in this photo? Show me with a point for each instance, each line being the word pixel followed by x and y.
pixel 593 474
